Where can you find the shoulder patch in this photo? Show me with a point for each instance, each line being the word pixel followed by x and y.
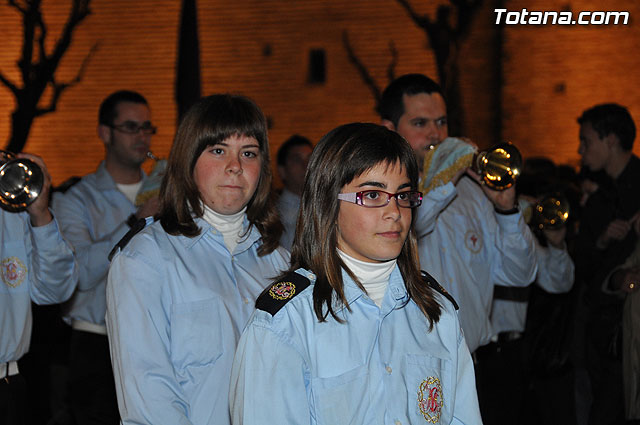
pixel 136 228
pixel 279 293
pixel 436 286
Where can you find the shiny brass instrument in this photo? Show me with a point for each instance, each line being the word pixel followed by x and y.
pixel 151 185
pixel 499 166
pixel 552 212
pixel 21 181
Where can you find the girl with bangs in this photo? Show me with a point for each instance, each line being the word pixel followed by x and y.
pixel 354 332
pixel 181 291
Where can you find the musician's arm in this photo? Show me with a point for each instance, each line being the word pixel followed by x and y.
pixel 433 202
pixel 514 261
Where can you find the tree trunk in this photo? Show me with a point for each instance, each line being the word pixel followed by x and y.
pixel 21 121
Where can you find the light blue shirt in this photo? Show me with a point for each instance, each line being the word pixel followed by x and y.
pixel 288 206
pixel 175 309
pixel 36 264
pixel 92 216
pixel 433 202
pixel 382 366
pixel 471 249
pixel 555 275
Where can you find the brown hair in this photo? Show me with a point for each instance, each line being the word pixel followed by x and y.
pixel 210 121
pixel 342 155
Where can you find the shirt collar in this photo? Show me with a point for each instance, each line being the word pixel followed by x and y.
pixel 104 181
pixel 206 228
pixel 396 289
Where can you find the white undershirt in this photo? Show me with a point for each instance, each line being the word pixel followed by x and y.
pixel 373 276
pixel 130 190
pixel 229 225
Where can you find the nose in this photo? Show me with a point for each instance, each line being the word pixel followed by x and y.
pixel 141 136
pixel 392 210
pixel 432 132
pixel 233 166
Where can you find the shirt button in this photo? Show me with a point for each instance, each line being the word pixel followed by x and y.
pixel 397 422
pixel 246 300
pixel 388 369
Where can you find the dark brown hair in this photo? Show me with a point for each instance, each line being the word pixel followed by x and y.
pixel 210 121
pixel 341 156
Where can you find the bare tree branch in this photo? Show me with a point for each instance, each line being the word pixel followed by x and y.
pixel 361 68
pixel 58 88
pixel 42 34
pixel 15 5
pixel 79 11
pixel 422 21
pixel 37 68
pixel 9 84
pixel 391 69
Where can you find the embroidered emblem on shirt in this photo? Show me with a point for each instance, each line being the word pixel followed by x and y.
pixel 282 290
pixel 280 293
pixel 430 399
pixel 13 271
pixel 473 241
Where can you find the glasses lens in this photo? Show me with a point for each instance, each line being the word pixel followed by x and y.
pixel 374 198
pixel 131 127
pixel 409 199
pixel 148 129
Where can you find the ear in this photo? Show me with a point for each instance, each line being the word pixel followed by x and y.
pixel 104 133
pixel 388 124
pixel 282 172
pixel 612 140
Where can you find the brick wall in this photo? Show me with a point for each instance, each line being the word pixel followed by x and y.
pixel 553 73
pixel 261 49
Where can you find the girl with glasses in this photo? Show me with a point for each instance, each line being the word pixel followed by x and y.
pixel 354 333
pixel 180 293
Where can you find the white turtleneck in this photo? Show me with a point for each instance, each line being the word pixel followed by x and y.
pixel 229 225
pixel 373 276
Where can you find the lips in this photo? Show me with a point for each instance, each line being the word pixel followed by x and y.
pixel 391 234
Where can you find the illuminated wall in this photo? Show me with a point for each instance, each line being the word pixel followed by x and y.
pixel 553 73
pixel 262 48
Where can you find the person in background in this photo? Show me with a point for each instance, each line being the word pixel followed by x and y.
pixel 292 158
pixel 624 282
pixel 353 333
pixel 605 239
pixel 94 215
pixel 36 264
pixel 474 241
pixel 181 291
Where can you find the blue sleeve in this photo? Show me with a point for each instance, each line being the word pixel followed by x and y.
pixel 269 380
pixel 466 410
pixel 91 253
pixel 555 269
pixel 515 261
pixel 54 273
pixel 138 326
pixel 433 203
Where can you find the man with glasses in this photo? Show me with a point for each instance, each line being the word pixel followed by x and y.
pixel 94 215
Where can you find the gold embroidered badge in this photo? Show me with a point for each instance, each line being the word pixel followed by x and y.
pixel 282 290
pixel 13 271
pixel 430 399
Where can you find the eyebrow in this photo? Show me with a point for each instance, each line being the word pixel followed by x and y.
pixel 253 145
pixel 414 119
pixel 382 185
